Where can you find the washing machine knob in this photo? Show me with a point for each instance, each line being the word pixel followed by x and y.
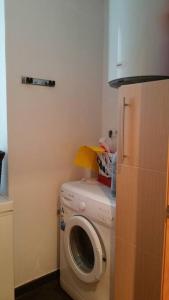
pixel 82 206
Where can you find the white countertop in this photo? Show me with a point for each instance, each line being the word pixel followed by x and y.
pixel 5 204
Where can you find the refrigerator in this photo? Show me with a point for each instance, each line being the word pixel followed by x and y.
pixel 141 190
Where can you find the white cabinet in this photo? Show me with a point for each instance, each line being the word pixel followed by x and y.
pixel 141 190
pixel 138 38
pixel 6 252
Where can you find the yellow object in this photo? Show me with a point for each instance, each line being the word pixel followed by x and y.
pixel 86 157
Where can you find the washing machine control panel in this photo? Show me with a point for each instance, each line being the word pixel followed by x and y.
pixel 97 211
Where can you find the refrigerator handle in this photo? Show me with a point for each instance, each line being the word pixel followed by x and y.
pixel 167 212
pixel 123 156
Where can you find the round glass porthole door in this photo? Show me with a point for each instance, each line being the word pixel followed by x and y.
pixel 83 249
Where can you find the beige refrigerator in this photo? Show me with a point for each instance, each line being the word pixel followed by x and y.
pixel 141 190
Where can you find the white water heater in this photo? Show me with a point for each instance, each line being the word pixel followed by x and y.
pixel 138 41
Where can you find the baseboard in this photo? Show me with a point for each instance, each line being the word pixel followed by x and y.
pixel 27 287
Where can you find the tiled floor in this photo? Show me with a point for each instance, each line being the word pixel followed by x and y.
pixel 48 291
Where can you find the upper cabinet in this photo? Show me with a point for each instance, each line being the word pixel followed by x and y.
pixel 144 125
pixel 138 39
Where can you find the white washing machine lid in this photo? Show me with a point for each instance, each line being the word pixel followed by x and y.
pixel 83 249
pixel 90 189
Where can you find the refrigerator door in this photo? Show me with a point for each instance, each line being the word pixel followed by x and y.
pixel 140 219
pixel 144 125
pixel 165 277
pixel 165 281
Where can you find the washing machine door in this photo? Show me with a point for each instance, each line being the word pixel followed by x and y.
pixel 83 249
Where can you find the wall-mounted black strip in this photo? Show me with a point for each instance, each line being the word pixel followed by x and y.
pixel 28 287
pixel 37 81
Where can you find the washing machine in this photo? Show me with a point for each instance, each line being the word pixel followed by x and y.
pixel 87 240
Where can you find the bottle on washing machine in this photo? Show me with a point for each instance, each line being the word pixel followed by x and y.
pixel 113 180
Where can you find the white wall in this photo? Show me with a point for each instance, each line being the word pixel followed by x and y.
pixel 109 94
pixel 3 113
pixel 60 40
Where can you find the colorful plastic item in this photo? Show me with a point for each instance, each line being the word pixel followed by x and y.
pixel 87 157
